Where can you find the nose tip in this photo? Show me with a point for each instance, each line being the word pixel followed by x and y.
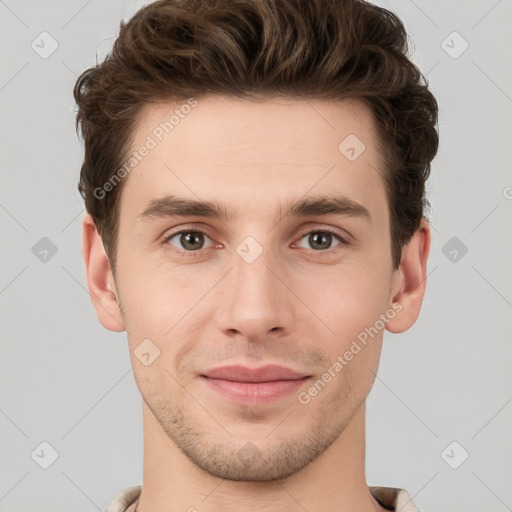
pixel 257 304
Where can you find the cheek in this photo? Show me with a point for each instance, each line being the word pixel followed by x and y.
pixel 351 309
pixel 147 310
pixel 155 295
pixel 163 305
pixel 348 300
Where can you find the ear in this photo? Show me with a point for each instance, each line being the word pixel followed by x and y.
pixel 410 280
pixel 100 280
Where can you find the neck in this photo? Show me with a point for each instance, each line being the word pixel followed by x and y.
pixel 334 480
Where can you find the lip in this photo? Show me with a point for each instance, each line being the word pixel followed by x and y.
pixel 267 373
pixel 254 386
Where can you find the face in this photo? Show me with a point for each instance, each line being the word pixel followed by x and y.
pixel 264 283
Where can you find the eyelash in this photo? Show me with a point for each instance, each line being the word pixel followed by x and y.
pixel 343 241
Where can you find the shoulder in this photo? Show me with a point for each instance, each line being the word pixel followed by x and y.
pixel 124 499
pixel 393 498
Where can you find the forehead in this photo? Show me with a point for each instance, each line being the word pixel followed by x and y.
pixel 257 152
pixel 221 124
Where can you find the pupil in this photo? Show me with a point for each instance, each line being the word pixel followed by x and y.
pixel 325 238
pixel 188 239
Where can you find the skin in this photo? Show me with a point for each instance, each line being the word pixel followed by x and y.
pixel 297 304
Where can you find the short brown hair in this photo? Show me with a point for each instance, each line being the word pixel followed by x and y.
pixel 318 49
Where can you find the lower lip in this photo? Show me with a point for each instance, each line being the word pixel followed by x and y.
pixel 255 392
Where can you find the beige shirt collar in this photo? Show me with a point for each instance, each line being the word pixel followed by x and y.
pixel 393 498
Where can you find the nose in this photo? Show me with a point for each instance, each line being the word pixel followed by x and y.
pixel 256 301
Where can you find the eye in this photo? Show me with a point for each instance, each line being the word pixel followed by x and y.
pixel 188 240
pixel 321 239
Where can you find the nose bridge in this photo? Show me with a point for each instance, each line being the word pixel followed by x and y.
pixel 252 266
pixel 255 298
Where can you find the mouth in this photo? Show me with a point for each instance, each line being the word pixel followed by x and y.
pixel 267 373
pixel 254 385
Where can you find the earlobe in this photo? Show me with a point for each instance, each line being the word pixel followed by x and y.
pixel 100 281
pixel 410 281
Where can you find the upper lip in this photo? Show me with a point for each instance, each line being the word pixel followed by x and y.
pixel 268 373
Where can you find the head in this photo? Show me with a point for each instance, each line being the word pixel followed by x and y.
pixel 255 106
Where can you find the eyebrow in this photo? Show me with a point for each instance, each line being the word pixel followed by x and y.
pixel 177 206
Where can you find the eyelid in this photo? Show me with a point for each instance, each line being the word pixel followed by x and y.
pixel 344 239
pixel 187 229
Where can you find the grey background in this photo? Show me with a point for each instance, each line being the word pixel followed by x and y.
pixel 66 381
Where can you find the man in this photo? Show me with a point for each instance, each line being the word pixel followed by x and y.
pixel 254 177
